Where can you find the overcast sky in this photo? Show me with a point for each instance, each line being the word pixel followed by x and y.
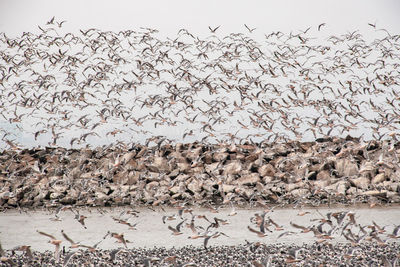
pixel 17 16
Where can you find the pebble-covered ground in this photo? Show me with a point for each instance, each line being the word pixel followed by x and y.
pixel 251 254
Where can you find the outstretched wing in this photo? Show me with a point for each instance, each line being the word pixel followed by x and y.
pixel 43 233
pixel 66 237
pixel 297 226
pixel 172 229
pixel 253 230
pixel 206 241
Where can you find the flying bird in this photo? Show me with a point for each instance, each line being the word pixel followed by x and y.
pixel 26 249
pixel 73 244
pixel 55 242
pixel 177 229
pixel 120 238
pixel 250 30
pixel 214 30
pixel 259 233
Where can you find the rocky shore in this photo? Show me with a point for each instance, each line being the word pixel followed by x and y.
pixel 250 254
pixel 326 171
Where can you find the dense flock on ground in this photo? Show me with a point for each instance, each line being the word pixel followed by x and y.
pixel 313 173
pixel 251 255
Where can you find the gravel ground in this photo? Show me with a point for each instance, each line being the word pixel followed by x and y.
pixel 250 254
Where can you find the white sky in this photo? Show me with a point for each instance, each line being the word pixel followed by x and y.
pixel 17 16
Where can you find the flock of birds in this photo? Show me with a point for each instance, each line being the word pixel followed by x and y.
pixel 99 87
pixel 326 228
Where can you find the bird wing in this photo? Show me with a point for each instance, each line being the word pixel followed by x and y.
pixel 123 241
pixel 2 253
pixel 180 212
pixel 57 252
pixel 43 233
pixel 28 252
pixel 253 230
pixel 192 227
pixel 113 254
pixel 88 247
pixel 273 222
pixel 285 233
pixel 172 229
pixel 204 217
pixel 377 238
pixel 67 238
pixel 68 257
pixel 348 237
pixel 262 227
pixel 206 241
pixel 352 219
pixel 178 227
pixel 224 234
pixel 297 226
pixel 216 28
pixel 219 220
pixel 396 229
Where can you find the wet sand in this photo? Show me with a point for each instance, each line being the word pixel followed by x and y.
pixel 20 228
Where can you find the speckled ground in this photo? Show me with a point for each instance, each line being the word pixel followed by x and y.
pixel 249 254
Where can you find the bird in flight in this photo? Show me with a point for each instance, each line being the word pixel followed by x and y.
pixel 131 226
pixel 60 23
pixel 69 256
pixel 55 242
pixel 26 249
pixel 73 244
pixel 259 233
pixel 177 229
pixel 51 21
pixel 320 26
pixel 120 238
pixel 214 30
pixel 250 30
pixel 81 219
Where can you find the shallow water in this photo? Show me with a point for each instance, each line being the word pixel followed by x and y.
pixel 20 228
